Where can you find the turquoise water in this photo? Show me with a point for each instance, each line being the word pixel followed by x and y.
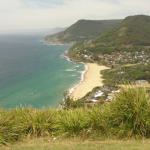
pixel 33 73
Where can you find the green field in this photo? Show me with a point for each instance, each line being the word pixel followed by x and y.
pixel 126 74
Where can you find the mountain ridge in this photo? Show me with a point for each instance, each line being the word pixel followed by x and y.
pixel 133 30
pixel 83 30
pixel 129 42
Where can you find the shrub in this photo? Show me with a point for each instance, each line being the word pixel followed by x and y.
pixel 130 112
pixel 72 122
pixel 98 119
pixel 37 122
pixel 21 122
pixel 69 103
pixel 9 130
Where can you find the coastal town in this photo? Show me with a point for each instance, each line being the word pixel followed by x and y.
pixel 115 58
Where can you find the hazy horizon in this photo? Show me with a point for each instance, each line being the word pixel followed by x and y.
pixel 41 31
pixel 24 15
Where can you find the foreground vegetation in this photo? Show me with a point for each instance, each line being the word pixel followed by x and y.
pixel 126 117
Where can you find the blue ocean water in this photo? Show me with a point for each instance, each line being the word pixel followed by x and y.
pixel 33 73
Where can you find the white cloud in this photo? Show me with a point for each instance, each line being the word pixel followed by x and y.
pixel 22 14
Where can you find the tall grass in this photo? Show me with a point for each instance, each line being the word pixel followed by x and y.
pixel 37 123
pixel 9 130
pixel 98 120
pixel 127 116
pixel 72 122
pixel 130 112
pixel 22 122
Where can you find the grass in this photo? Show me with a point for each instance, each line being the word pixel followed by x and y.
pixel 124 118
pixel 72 122
pixel 78 144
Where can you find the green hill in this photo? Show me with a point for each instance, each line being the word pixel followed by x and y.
pixel 131 35
pixel 83 30
pixel 133 30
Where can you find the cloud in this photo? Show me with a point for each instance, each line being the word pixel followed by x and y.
pixel 36 14
pixel 43 3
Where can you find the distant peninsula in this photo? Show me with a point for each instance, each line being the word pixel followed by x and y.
pixel 82 30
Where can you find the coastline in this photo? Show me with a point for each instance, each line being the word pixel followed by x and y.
pixel 90 78
pixel 49 42
pixel 73 88
pixel 52 43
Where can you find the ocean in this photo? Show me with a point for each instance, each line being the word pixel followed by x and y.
pixel 33 73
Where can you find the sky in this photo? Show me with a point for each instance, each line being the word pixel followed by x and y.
pixel 18 15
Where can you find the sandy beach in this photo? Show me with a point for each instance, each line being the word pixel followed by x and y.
pixel 90 79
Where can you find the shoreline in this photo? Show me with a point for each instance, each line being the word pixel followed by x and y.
pixel 53 43
pixel 90 78
pixel 71 90
pixel 59 43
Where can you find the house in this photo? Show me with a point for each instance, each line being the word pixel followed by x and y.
pixel 98 94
